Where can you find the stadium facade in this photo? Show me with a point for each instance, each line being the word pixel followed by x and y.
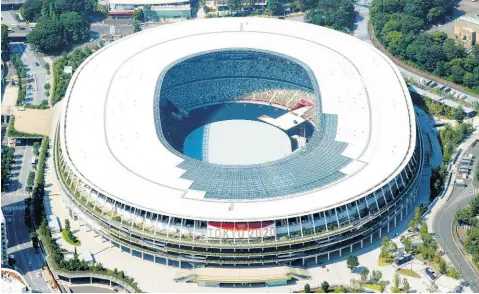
pixel 123 173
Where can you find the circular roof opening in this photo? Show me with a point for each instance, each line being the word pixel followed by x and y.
pixel 270 96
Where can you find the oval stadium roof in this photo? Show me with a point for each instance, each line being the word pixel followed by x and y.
pixel 109 135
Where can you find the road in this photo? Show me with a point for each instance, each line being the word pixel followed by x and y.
pixel 360 31
pixel 443 224
pixel 35 88
pixel 28 262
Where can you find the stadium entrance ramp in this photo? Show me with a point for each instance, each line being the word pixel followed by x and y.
pixel 214 277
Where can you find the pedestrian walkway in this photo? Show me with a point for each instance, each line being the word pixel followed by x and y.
pixel 13 208
pixel 18 193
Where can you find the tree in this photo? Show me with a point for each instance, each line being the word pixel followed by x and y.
pixel 432 287
pixel 382 286
pixel 31 10
pixel 75 28
pixel 138 15
pixel 30 181
pixel 36 145
pixel 405 285
pixel 475 206
pixel 364 275
pixel 275 7
pixel 407 245
pixel 79 6
pixel 442 267
pixel 5 41
pixel 307 288
pixel 435 15
pixel 47 35
pixel 67 224
pixel 352 262
pixel 393 247
pixel 136 26
pixel 355 286
pixel 396 280
pixel 11 262
pixel 453 273
pixel 34 237
pixel 325 286
pixel 423 230
pixel 376 276
pixel 337 14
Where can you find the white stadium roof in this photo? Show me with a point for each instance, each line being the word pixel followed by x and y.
pixel 108 128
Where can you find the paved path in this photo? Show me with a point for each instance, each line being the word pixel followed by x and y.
pixel 443 222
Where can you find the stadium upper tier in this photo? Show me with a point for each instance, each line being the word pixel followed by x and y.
pixel 112 142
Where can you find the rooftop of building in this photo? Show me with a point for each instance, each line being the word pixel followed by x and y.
pixel 112 143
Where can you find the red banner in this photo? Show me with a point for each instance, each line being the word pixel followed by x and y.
pixel 241 230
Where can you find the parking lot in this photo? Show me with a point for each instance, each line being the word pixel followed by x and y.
pixel 36 73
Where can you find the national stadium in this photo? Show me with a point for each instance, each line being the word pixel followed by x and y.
pixel 238 141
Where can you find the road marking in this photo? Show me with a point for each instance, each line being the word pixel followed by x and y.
pixel 452 256
pixel 469 191
pixel 13 208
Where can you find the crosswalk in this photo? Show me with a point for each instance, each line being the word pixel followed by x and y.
pixel 13 208
pixel 15 194
pixel 43 289
pixel 468 192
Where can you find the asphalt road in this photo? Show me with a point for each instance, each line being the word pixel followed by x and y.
pixel 21 167
pixel 35 88
pixel 443 224
pixel 28 262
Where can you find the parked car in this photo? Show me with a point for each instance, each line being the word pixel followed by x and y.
pixel 431 274
pixel 403 259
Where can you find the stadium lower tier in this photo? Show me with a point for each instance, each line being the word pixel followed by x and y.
pixel 305 240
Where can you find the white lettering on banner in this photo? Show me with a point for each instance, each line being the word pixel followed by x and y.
pixel 218 233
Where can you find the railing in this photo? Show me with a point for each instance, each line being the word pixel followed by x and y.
pixel 86 274
pixel 108 229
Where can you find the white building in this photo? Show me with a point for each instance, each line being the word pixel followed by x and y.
pixel 154 10
pixel 13 282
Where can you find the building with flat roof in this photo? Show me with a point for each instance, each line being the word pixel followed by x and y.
pixel 13 282
pixel 154 10
pixel 125 171
pixel 466 30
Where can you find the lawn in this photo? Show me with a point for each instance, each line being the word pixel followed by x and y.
pixel 408 272
pixel 67 238
pixel 375 287
pixel 330 290
pixel 384 261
